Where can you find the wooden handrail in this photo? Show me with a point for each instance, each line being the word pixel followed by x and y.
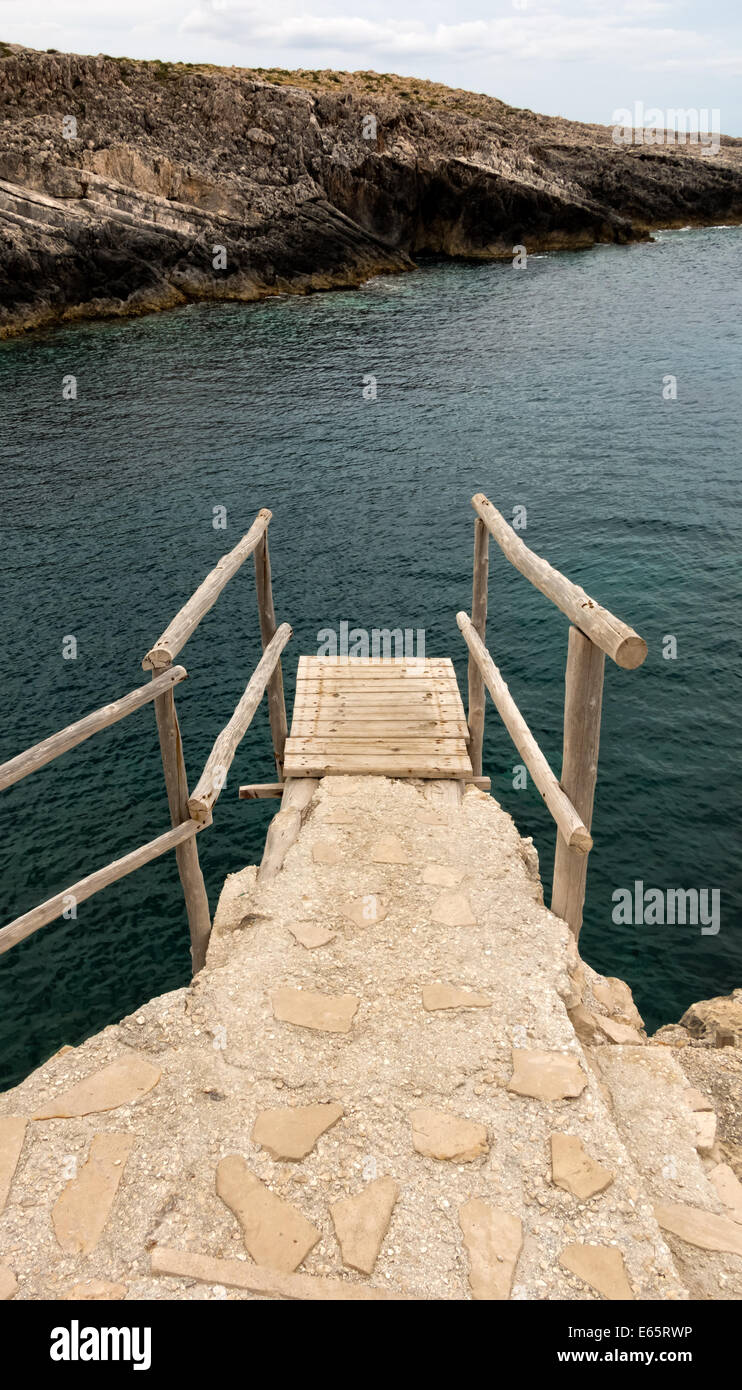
pixel 267 615
pixel 50 748
pixel 620 642
pixel 186 621
pixel 227 742
pixel 571 827
pixel 39 916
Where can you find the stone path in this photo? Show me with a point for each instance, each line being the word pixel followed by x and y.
pixel 394 1078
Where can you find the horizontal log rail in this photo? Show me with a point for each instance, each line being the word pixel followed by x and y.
pixel 185 622
pixel 50 748
pixel 620 642
pixel 30 922
pixel 220 758
pixel 570 825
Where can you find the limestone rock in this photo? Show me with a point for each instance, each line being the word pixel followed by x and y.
pixel 95 1291
pixel 438 1134
pixel 616 997
pixel 276 1233
pixel 366 911
pixel 311 935
pixel 716 1022
pixel 573 1169
pixel 82 1209
pixel 617 1032
pixel 728 1187
pixel 704 1130
pixel 326 1013
pixel 453 909
pixel 546 1075
pixel 240 1274
pixel 493 1239
pixel 442 875
pixel 361 1222
pixel 451 997
pixel 326 852
pixel 8 1283
pixel 12 1132
pixel 291 1132
pixel 601 1266
pixel 122 1082
pixel 696 1100
pixel 701 1228
pixel 389 850
pixel 585 1025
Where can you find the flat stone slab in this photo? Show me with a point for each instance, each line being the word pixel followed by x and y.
pixel 361 1222
pixel 291 1132
pixel 704 1130
pixel 728 1188
pixel 452 997
pixel 82 1209
pixel 12 1133
pixel 601 1266
pixel 453 909
pixel 8 1283
pixel 546 1075
pixel 276 1234
pixel 365 911
pixel 704 1229
pixel 238 1274
pixel 438 1134
pixel 122 1082
pixel 617 1032
pixel 326 1013
pixel 573 1169
pixel 326 852
pixel 696 1100
pixel 442 875
pixel 389 850
pixel 310 935
pixel 95 1291
pixel 494 1240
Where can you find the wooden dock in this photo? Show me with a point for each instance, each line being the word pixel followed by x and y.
pixel 391 717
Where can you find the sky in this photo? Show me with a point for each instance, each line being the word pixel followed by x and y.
pixel 584 59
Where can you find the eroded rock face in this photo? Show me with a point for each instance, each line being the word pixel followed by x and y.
pixel 170 160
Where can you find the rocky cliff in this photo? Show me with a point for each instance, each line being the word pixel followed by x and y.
pixel 130 186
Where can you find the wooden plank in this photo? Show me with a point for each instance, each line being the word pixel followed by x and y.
pixel 569 822
pixel 260 791
pixel 46 912
pixel 357 743
pixel 267 616
pixel 384 671
pixel 307 765
pixel 50 748
pixel 619 641
pixel 185 622
pixel 383 699
pixel 379 728
pixel 583 698
pixel 330 686
pixel 225 746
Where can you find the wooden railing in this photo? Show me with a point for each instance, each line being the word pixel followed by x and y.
pixel 595 633
pixel 188 814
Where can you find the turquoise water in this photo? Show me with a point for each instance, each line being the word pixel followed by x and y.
pixel 542 388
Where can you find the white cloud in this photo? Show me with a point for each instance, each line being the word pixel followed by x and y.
pixel 530 36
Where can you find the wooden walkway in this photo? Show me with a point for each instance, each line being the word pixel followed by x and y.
pixel 395 718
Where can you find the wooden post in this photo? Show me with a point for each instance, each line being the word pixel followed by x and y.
pixel 266 611
pixel 186 854
pixel 583 698
pixel 479 621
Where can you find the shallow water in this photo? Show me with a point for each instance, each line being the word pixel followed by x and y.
pixel 542 388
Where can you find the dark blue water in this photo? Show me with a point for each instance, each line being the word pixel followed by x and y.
pixel 542 388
